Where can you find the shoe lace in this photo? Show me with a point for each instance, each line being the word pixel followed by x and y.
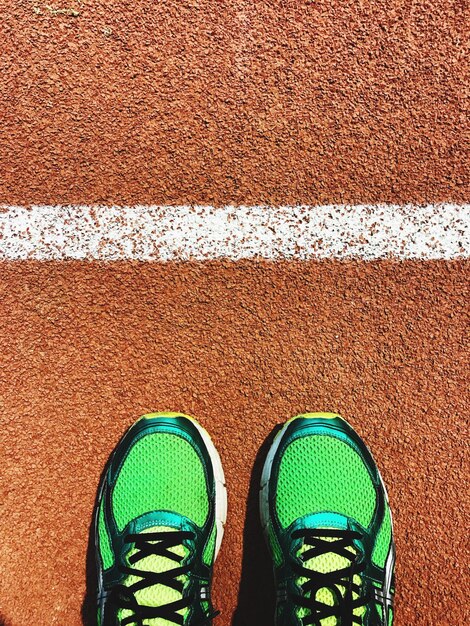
pixel 124 597
pixel 344 591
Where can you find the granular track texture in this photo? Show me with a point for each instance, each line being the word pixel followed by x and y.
pixel 216 101
pixel 241 102
pixel 87 348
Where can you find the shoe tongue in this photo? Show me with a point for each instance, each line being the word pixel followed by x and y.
pixel 156 595
pixel 326 562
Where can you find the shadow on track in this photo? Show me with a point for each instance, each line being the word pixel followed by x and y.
pixel 256 597
pixel 89 605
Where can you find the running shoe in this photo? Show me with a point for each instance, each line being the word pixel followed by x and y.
pixel 158 525
pixel 326 518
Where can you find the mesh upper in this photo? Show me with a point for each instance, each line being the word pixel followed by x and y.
pixel 162 472
pixel 322 473
pixel 276 548
pixel 380 610
pixel 382 543
pixel 209 550
pixel 105 543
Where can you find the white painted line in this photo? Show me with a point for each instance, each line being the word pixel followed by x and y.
pixel 174 233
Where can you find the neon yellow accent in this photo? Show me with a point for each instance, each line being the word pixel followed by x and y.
pixel 326 563
pixel 325 416
pixel 157 595
pixel 149 416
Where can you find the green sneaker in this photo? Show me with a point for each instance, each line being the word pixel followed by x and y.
pixel 159 523
pixel 326 518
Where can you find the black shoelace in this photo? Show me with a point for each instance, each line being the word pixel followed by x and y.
pixel 339 582
pixel 122 597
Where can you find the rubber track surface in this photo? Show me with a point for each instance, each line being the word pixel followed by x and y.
pixel 240 102
pixel 234 101
pixel 88 348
